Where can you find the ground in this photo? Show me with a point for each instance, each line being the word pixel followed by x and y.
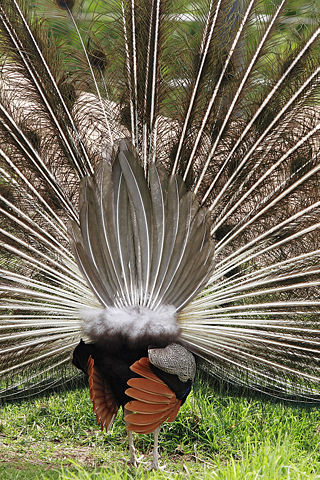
pixel 215 436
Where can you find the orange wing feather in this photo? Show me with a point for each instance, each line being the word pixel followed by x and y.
pixel 154 402
pixel 104 404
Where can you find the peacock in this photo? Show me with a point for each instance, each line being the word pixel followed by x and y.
pixel 160 201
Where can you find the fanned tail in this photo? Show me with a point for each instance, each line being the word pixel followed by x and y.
pixel 213 108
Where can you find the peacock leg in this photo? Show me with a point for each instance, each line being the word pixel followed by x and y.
pixel 133 457
pixel 155 455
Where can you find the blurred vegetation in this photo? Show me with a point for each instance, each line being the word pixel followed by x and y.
pixel 297 15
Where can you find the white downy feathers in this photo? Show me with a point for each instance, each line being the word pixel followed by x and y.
pixel 131 324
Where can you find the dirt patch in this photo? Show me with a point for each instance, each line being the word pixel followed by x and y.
pixel 61 455
pixel 80 455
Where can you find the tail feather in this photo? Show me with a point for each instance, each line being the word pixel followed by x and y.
pixel 184 276
pixel 35 58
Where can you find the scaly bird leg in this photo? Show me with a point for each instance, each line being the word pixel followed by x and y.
pixel 134 461
pixel 133 457
pixel 155 456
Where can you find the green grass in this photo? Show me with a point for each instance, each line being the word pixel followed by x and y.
pixel 214 437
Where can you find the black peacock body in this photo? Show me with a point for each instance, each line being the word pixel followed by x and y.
pixel 159 185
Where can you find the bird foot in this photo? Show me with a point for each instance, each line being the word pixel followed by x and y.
pixel 155 466
pixel 134 461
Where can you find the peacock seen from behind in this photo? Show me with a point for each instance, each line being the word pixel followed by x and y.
pixel 159 198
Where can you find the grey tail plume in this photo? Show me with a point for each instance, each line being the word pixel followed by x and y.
pixel 144 247
pixel 136 238
pixel 182 157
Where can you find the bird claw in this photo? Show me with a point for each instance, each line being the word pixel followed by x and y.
pixel 155 466
pixel 134 461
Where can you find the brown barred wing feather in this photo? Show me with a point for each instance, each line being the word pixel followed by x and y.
pixel 104 404
pixel 154 402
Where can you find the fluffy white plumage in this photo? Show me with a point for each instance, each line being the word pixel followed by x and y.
pixel 130 323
